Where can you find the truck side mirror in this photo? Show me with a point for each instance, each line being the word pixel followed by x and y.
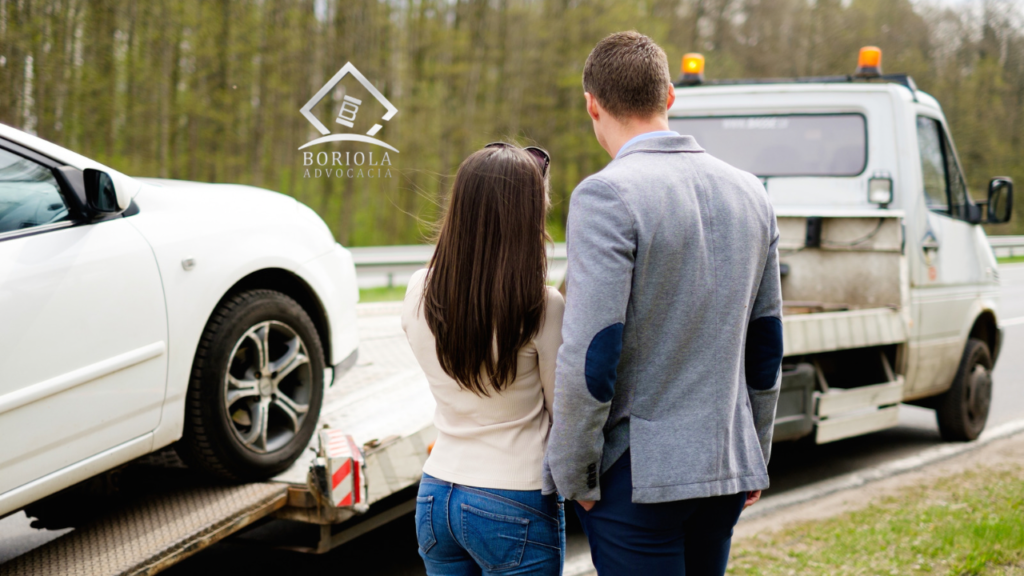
pixel 972 213
pixel 1000 200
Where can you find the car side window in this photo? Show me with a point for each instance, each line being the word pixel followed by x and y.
pixel 29 194
pixel 933 164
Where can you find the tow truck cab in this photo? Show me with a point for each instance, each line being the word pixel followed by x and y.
pixel 890 287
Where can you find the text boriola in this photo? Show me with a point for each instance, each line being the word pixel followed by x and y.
pixel 346 165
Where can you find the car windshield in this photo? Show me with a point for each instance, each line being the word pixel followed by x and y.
pixel 783 145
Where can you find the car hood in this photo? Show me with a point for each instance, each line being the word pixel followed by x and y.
pixel 188 191
pixel 233 206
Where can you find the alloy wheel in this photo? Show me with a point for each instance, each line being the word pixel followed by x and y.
pixel 268 386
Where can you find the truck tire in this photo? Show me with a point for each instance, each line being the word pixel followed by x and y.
pixel 256 388
pixel 963 409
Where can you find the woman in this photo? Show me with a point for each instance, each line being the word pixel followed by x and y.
pixel 485 328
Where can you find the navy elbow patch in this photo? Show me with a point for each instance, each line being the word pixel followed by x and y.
pixel 763 357
pixel 603 361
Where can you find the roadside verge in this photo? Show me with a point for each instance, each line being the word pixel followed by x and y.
pixel 850 492
pixel 771 504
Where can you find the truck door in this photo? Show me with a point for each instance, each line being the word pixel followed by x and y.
pixel 84 327
pixel 946 272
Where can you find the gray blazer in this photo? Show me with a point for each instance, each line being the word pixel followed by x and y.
pixel 672 337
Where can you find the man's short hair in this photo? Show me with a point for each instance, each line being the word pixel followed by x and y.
pixel 628 74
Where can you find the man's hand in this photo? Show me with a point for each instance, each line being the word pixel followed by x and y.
pixel 752 497
pixel 588 504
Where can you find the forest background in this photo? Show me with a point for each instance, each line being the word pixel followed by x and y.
pixel 210 90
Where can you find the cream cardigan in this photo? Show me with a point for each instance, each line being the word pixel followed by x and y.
pixel 497 441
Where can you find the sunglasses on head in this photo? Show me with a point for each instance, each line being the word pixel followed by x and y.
pixel 539 154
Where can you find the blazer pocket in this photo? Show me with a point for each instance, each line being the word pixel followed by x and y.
pixel 496 541
pixel 424 525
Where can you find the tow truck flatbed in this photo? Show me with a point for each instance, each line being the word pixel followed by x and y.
pixel 151 534
pixel 383 402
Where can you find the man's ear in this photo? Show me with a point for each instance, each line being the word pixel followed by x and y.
pixel 671 96
pixel 593 108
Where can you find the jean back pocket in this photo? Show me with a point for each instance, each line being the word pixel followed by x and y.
pixel 496 541
pixel 424 524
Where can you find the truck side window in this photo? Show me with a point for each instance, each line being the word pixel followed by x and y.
pixel 933 164
pixel 957 188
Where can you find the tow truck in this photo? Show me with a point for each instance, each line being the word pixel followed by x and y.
pixel 890 288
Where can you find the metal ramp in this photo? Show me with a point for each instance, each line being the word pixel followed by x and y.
pixel 151 533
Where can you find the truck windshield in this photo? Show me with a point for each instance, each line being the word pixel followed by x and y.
pixel 785 144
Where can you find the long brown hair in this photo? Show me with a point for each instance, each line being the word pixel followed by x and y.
pixel 484 296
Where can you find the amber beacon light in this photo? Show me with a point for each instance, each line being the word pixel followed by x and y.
pixel 869 62
pixel 693 69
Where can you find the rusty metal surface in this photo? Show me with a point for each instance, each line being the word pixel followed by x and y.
pixel 147 535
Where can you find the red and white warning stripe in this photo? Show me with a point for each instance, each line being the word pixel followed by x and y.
pixel 344 464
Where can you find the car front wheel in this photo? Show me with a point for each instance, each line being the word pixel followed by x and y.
pixel 256 388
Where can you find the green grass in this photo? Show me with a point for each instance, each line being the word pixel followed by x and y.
pixel 969 524
pixel 1011 260
pixel 385 294
pixel 393 294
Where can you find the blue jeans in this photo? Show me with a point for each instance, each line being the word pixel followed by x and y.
pixel 464 531
pixel 686 537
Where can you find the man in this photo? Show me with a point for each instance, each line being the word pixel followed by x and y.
pixel 668 375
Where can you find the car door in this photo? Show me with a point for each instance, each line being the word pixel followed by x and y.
pixel 946 272
pixel 83 326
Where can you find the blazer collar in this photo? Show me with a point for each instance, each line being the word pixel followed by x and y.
pixel 664 144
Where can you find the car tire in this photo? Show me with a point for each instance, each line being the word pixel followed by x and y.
pixel 256 388
pixel 963 410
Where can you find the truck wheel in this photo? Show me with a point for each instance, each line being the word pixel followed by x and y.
pixel 963 409
pixel 256 388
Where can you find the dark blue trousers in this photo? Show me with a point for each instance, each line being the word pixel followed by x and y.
pixel 686 537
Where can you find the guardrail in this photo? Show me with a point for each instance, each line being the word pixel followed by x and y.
pixel 1007 246
pixel 378 266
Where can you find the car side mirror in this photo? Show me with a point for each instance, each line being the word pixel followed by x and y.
pixel 100 192
pixel 92 193
pixel 1000 200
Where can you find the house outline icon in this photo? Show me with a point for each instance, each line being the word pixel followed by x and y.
pixel 348 68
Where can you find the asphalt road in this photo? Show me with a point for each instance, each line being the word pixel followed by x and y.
pixel 391 550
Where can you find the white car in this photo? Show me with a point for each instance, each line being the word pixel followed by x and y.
pixel 137 313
